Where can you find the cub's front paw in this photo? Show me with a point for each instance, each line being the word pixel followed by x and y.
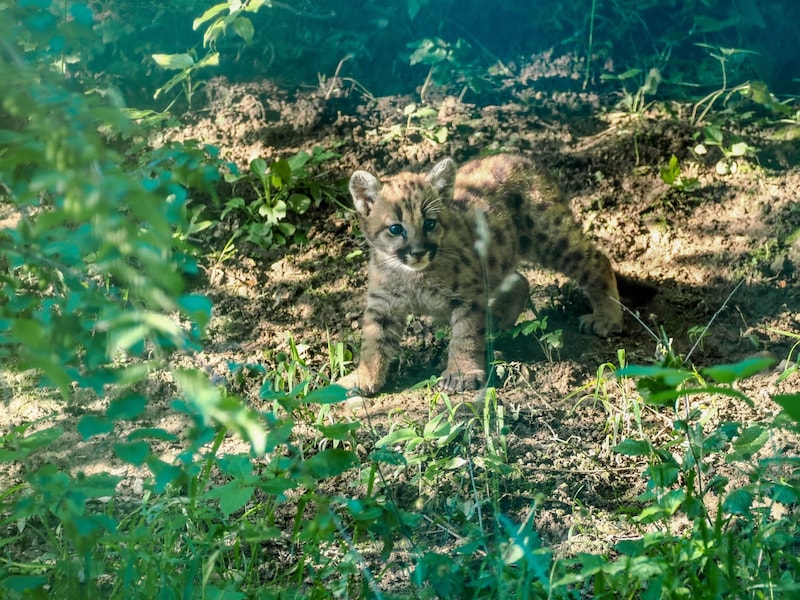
pixel 462 381
pixel 603 326
pixel 359 383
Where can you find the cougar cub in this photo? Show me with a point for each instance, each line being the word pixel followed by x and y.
pixel 447 244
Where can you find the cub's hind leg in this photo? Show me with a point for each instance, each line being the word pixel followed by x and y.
pixel 597 278
pixel 561 245
pixel 509 301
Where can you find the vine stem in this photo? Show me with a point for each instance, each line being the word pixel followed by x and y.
pixel 589 49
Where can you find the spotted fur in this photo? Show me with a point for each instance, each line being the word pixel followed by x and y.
pixel 448 244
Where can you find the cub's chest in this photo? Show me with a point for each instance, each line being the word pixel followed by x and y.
pixel 426 293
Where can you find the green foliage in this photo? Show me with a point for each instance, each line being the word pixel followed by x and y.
pixel 422 120
pixel 549 341
pixel 276 191
pixel 636 102
pixel 623 409
pixel 731 151
pixel 449 64
pixel 735 545
pixel 187 66
pixel 84 282
pixel 217 20
pixel 95 243
pixel 672 176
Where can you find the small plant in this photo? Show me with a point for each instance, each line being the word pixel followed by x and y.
pixel 187 63
pixel 673 177
pixel 419 119
pixel 697 334
pixel 791 364
pixel 448 63
pixel 187 66
pixel 636 102
pixel 731 151
pixel 723 55
pixel 280 188
pixel 549 341
pixel 623 409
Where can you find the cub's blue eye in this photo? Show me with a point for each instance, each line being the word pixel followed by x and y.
pixel 396 229
pixel 429 225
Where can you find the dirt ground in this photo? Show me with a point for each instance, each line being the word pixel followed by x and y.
pixel 726 254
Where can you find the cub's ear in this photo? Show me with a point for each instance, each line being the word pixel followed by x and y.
pixel 365 190
pixel 443 177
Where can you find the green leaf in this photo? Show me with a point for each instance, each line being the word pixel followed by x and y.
pixel 175 62
pixel 198 307
pixel 126 408
pixel 30 333
pixel 739 149
pixel 388 456
pixel 651 514
pixel 42 438
pixel 396 436
pixel 785 494
pixel 274 213
pixel 281 172
pixel 455 462
pixel 672 501
pixel 255 5
pixel 298 203
pixel 225 409
pixel 209 14
pixel 740 370
pixel 287 229
pixel 634 448
pixel 672 172
pixel 330 462
pixel 209 60
pixel 738 502
pixel 669 376
pixel 259 167
pixel 748 443
pixel 82 14
pixel 90 425
pixel 276 487
pixel 235 499
pixel 237 466
pixel 244 29
pixel 214 32
pixel 437 427
pixel 629 74
pixel 330 394
pixel 790 403
pixel 98 485
pixel 412 7
pixel 428 51
pixel 165 474
pixel 135 453
pixel 23 583
pixel 299 160
pixel 713 134
pixel 630 547
pixel 339 431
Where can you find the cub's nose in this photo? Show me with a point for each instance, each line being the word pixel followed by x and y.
pixel 418 254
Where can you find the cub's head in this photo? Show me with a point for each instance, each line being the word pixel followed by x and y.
pixel 401 218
